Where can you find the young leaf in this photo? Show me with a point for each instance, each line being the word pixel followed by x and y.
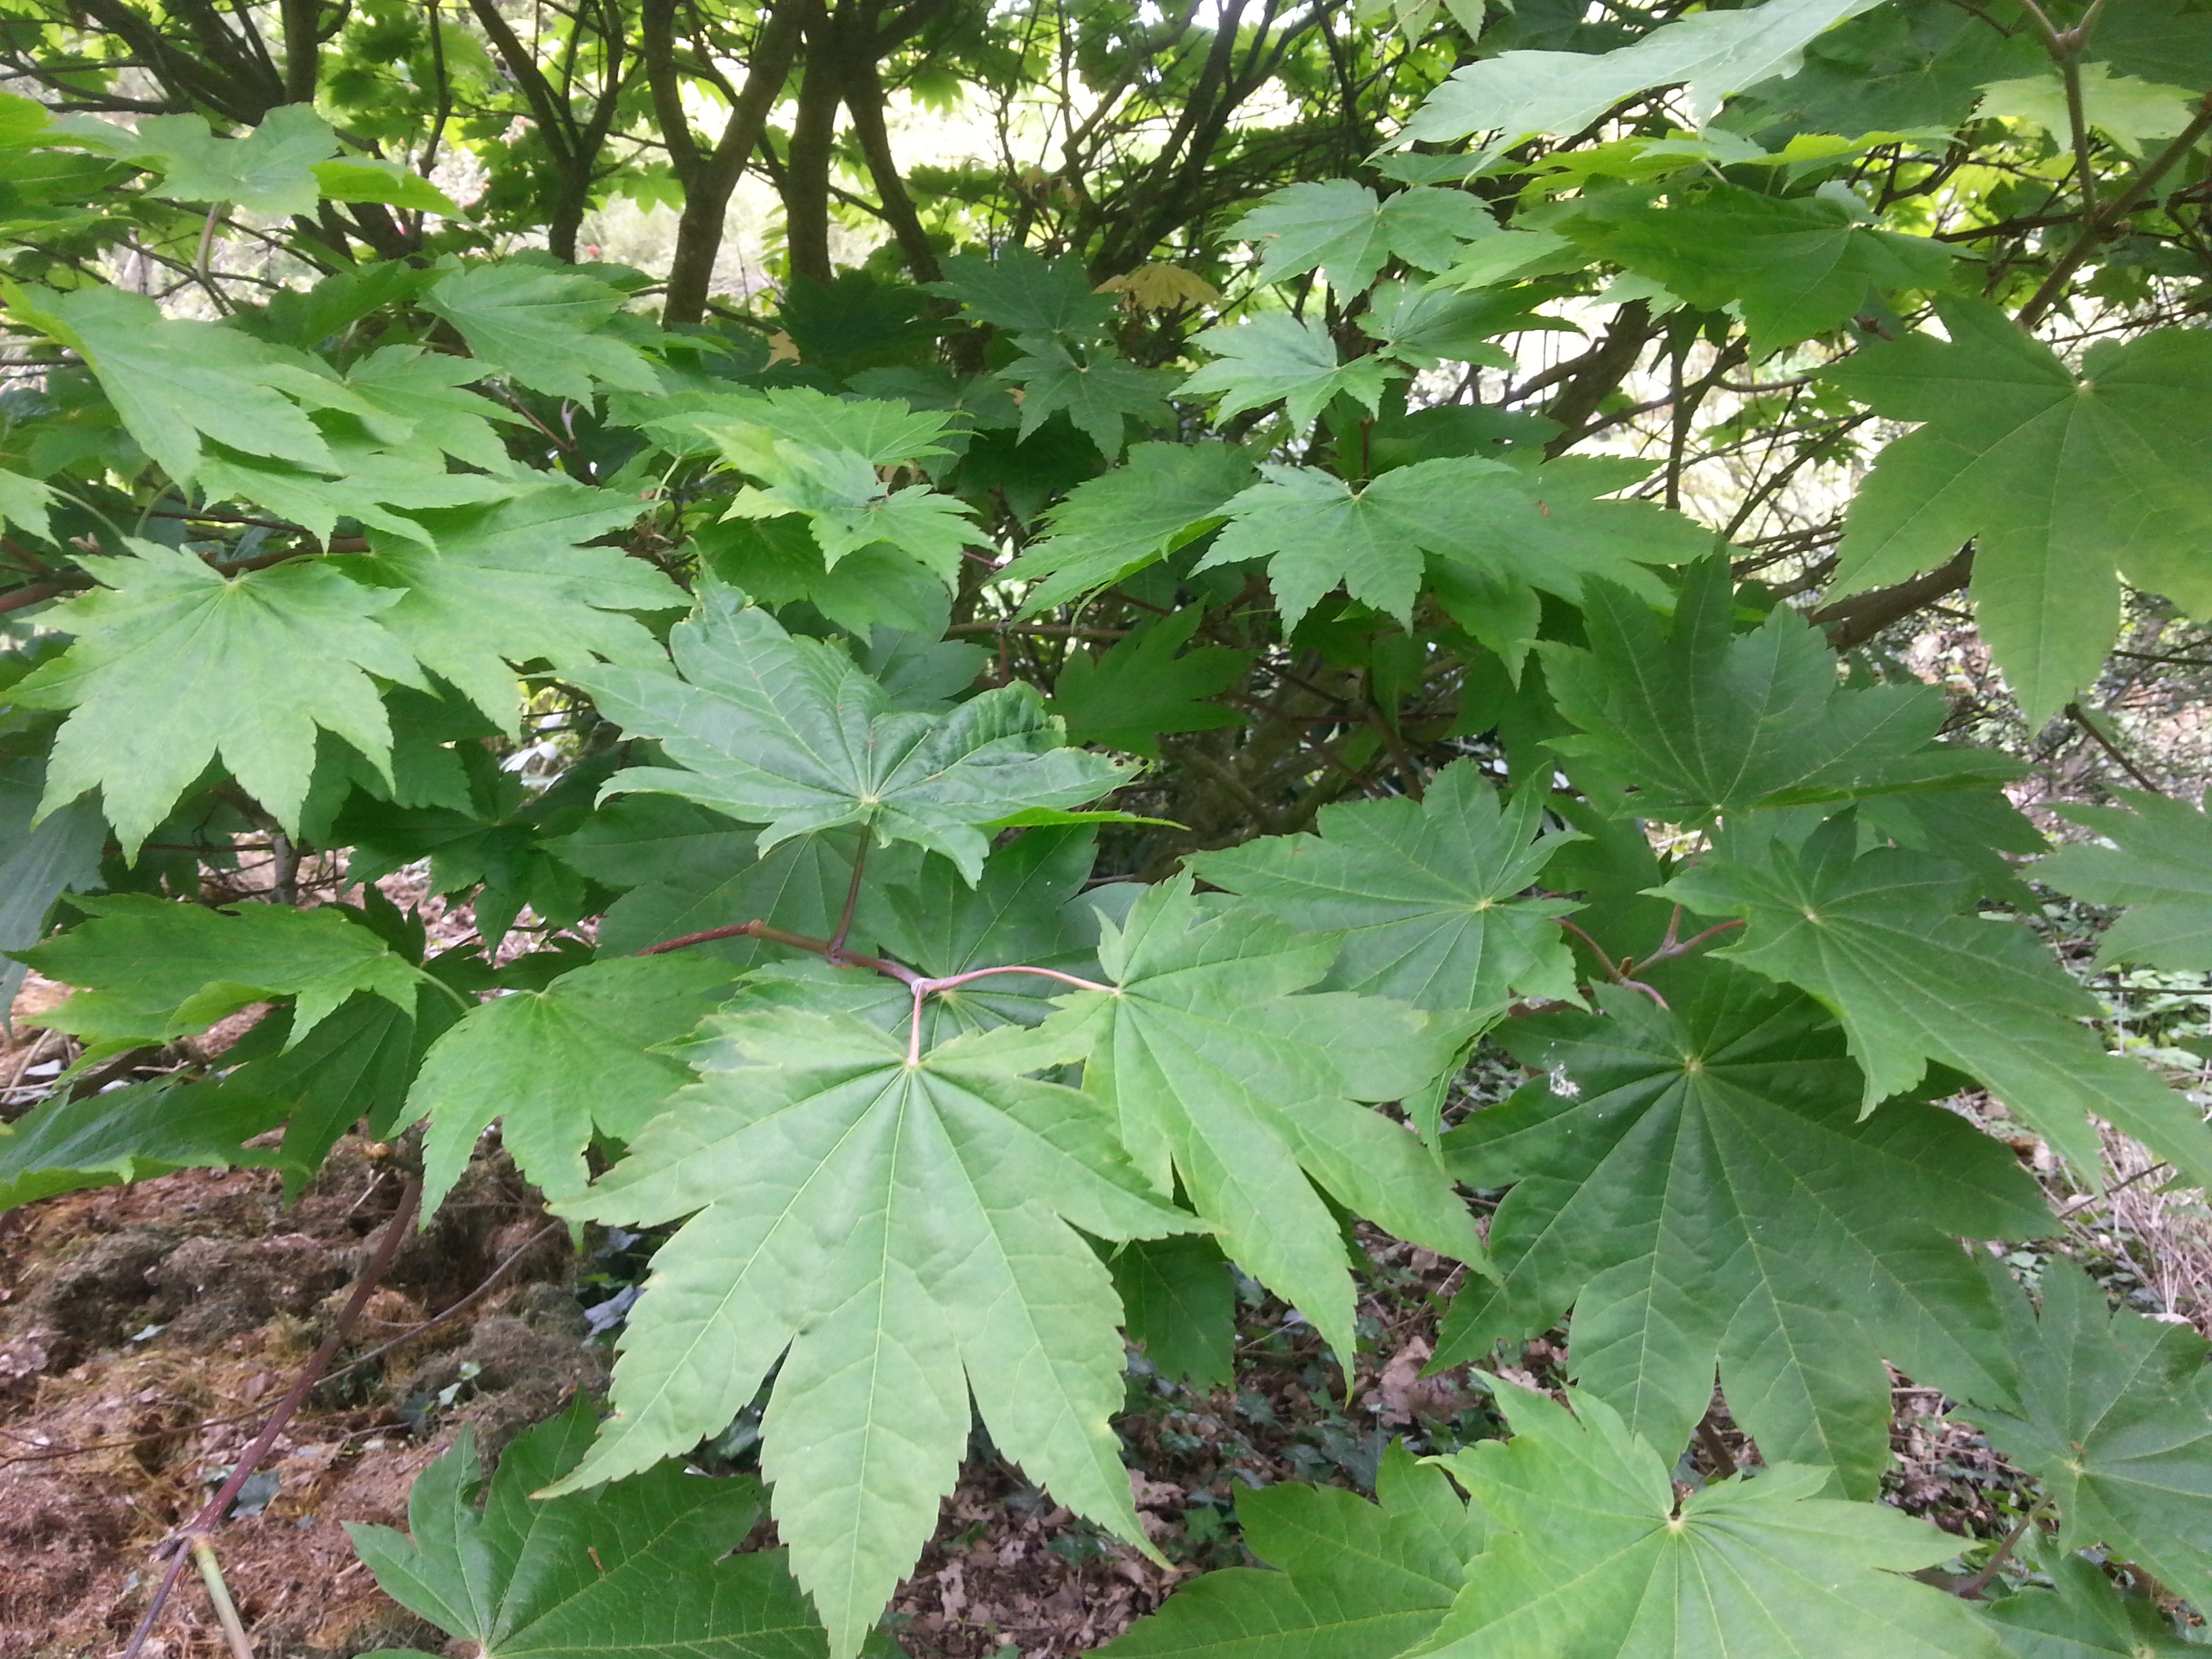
pixel 1339 226
pixel 537 325
pixel 1097 391
pixel 1879 939
pixel 1114 525
pixel 1707 1192
pixel 1179 1305
pixel 132 1134
pixel 906 1231
pixel 1591 1553
pixel 1351 1580
pixel 1711 724
pixel 2065 486
pixel 1220 1075
pixel 789 733
pixel 1278 358
pixel 639 1570
pixel 1141 688
pixel 1419 895
pixel 561 1067
pixel 175 665
pixel 2159 864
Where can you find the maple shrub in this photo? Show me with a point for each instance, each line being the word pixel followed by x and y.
pixel 995 791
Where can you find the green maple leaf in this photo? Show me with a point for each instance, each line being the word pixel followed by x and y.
pixel 898 1233
pixel 537 325
pixel 373 178
pixel 1114 525
pixel 1879 939
pixel 376 486
pixel 416 396
pixel 1796 267
pixel 745 425
pixel 175 665
pixel 1141 688
pixel 24 502
pixel 2116 1417
pixel 790 733
pixel 2083 1616
pixel 2159 864
pixel 561 1067
pixel 1423 324
pixel 1517 95
pixel 131 1134
pixel 2129 110
pixel 271 169
pixel 718 882
pixel 1279 358
pixel 1179 1306
pixel 1709 1194
pixel 1421 896
pixel 152 971
pixel 1097 391
pixel 1710 723
pixel 2064 485
pixel 845 503
pixel 1023 293
pixel 1591 1553
pixel 1351 1579
pixel 40 859
pixel 639 1570
pixel 1222 1076
pixel 1340 226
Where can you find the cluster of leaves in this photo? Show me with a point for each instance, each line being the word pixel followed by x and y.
pixel 960 1052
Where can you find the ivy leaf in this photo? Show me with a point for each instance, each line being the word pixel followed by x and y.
pixel 1707 1192
pixel 2083 1616
pixel 1141 688
pixel 537 325
pixel 1221 1076
pixel 2116 1419
pixel 1590 1553
pixel 2159 864
pixel 561 1067
pixel 1518 95
pixel 1420 895
pixel 1023 293
pixel 898 1233
pixel 848 509
pixel 1797 267
pixel 1710 723
pixel 1113 525
pixel 1879 939
pixel 268 170
pixel 1097 391
pixel 1179 1306
pixel 639 1570
pixel 2065 486
pixel 789 733
pixel 1351 1580
pixel 1340 226
pixel 131 1134
pixel 174 664
pixel 1279 358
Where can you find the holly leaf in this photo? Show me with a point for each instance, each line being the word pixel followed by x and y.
pixel 1278 358
pixel 1141 688
pixel 2116 1419
pixel 2064 485
pixel 1519 94
pixel 269 169
pixel 1350 1579
pixel 1698 1185
pixel 561 1067
pixel 1113 525
pixel 790 733
pixel 1590 1552
pixel 129 1134
pixel 899 1233
pixel 1879 939
pixel 1179 1306
pixel 2159 864
pixel 1220 1075
pixel 1024 292
pixel 1796 267
pixel 1421 896
pixel 1708 723
pixel 1341 227
pixel 538 325
pixel 175 665
pixel 1097 391
pixel 639 1570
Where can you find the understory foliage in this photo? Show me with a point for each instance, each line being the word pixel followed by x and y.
pixel 998 786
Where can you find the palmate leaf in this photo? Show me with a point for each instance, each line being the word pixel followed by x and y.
pixel 1141 688
pixel 2082 1616
pixel 1279 358
pixel 1351 1579
pixel 747 425
pixel 536 324
pixel 175 665
pixel 2129 110
pixel 269 169
pixel 2064 485
pixel 39 862
pixel 560 1067
pixel 1590 1553
pixel 1099 391
pixel 789 733
pixel 1706 1192
pixel 417 397
pixel 899 1235
pixel 1879 939
pixel 2159 865
pixel 132 1134
pixel 1339 226
pixel 639 1570
pixel 845 504
pixel 1420 897
pixel 1221 1076
pixel 1179 1307
pixel 2116 1417
pixel 1114 525
pixel 1708 723
pixel 1024 292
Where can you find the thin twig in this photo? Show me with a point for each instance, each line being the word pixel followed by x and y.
pixel 1973 1588
pixel 2074 712
pixel 490 1283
